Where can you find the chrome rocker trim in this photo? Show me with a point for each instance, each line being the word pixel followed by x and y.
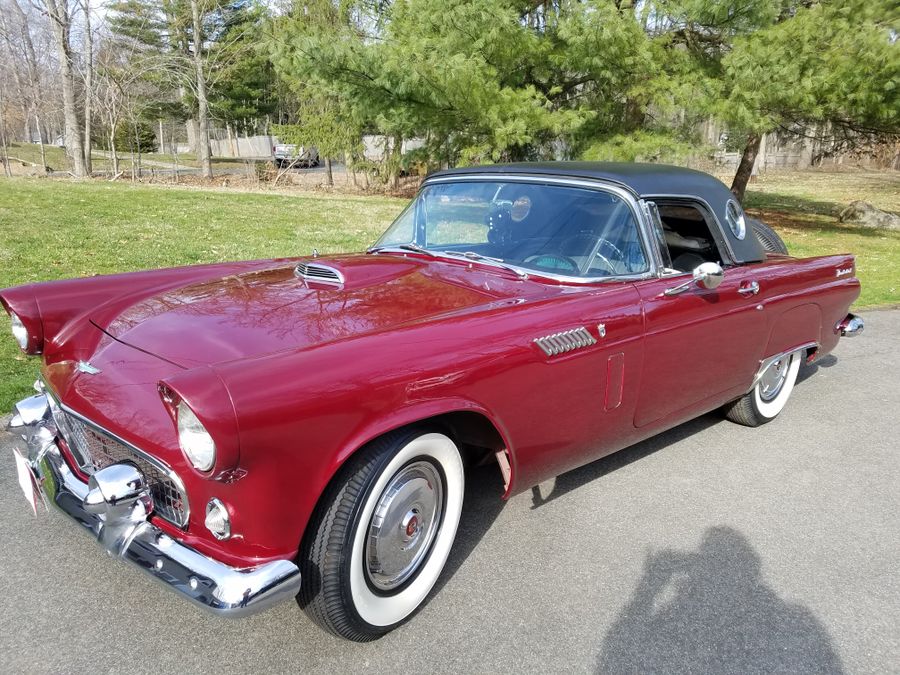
pixel 121 525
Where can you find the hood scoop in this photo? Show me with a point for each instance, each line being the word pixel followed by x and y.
pixel 318 272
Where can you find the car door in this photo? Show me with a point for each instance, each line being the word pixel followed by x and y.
pixel 701 346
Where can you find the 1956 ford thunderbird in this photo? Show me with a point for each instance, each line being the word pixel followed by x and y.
pixel 253 431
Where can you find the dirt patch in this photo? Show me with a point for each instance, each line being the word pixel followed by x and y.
pixel 259 178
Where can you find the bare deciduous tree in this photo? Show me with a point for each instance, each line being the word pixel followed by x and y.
pixel 202 100
pixel 88 82
pixel 60 14
pixel 31 69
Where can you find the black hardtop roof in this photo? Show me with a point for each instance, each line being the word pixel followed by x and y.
pixel 655 181
pixel 641 178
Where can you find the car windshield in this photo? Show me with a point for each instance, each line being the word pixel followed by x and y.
pixel 561 230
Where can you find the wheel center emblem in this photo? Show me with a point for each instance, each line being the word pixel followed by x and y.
pixel 412 526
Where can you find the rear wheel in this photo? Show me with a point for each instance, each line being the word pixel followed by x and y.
pixel 381 537
pixel 768 237
pixel 769 395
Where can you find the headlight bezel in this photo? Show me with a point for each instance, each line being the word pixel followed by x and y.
pixel 195 441
pixel 20 332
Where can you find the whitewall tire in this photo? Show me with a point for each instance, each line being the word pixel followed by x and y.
pixel 770 393
pixel 382 534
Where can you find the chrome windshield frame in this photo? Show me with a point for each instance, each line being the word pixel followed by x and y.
pixel 627 196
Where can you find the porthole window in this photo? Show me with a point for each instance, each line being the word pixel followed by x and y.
pixel 735 217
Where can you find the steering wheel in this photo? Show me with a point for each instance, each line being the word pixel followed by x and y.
pixel 553 262
pixel 598 244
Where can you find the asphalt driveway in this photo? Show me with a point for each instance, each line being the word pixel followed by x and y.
pixel 711 548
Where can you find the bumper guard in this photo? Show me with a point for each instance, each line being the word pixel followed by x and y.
pixel 115 506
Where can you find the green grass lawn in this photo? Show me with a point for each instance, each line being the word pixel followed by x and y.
pixel 803 207
pixel 52 229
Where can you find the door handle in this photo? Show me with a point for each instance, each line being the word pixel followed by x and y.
pixel 751 288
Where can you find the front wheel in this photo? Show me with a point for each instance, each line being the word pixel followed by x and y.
pixel 382 534
pixel 770 393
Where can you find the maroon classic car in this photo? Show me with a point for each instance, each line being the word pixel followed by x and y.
pixel 249 432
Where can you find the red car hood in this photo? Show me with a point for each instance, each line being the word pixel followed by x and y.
pixel 274 309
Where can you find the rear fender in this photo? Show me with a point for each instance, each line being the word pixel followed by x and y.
pixel 796 326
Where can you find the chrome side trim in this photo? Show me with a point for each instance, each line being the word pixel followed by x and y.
pixel 566 341
pixel 324 274
pixel 765 363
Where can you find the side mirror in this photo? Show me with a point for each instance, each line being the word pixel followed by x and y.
pixel 707 275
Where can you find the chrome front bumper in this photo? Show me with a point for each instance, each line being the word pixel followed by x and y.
pixel 115 507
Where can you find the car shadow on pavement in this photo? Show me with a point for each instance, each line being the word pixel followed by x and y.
pixel 807 370
pixel 482 504
pixel 575 478
pixel 710 611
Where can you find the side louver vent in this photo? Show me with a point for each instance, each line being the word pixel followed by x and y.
pixel 567 341
pixel 320 273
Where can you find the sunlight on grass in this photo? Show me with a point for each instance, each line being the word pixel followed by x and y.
pixel 803 208
pixel 53 229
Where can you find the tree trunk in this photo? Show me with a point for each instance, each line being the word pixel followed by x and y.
pixel 745 168
pixel 4 158
pixel 113 152
pixel 329 177
pixel 60 20
pixel 37 122
pixel 396 156
pixel 88 84
pixel 202 102
pixel 137 144
pixel 190 126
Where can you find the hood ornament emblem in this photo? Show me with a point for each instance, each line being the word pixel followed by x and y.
pixel 85 367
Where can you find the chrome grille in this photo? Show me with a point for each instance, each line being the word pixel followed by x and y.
pixel 567 341
pixel 317 272
pixel 96 450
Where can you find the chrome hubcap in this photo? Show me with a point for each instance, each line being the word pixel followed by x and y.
pixel 772 380
pixel 404 524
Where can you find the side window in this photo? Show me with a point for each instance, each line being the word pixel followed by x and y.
pixel 687 235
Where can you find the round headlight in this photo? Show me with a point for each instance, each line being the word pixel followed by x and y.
pixel 196 443
pixel 19 331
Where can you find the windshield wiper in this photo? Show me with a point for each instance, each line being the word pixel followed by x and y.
pixel 468 255
pixel 412 246
pixel 499 262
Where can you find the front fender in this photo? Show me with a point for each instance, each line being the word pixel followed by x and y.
pixel 417 411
